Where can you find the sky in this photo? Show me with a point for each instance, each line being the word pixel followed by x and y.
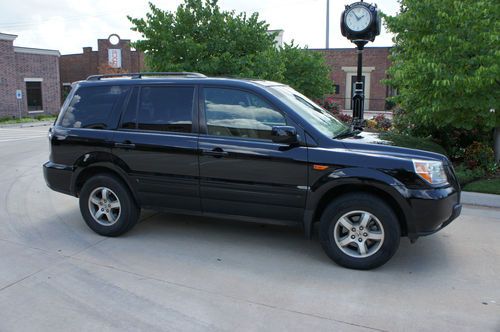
pixel 69 25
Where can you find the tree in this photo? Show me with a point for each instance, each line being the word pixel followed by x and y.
pixel 446 62
pixel 200 37
pixel 306 71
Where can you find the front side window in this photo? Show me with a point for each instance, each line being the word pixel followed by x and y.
pixel 310 111
pixel 237 113
pixel 91 106
pixel 166 108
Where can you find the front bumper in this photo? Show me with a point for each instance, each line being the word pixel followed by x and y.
pixel 432 210
pixel 58 177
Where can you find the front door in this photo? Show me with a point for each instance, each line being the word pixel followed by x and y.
pixel 157 146
pixel 242 172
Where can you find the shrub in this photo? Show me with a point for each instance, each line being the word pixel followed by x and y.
pixel 371 124
pixel 480 155
pixel 346 118
pixel 466 175
pixel 330 104
pixel 382 123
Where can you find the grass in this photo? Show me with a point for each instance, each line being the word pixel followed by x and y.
pixel 10 120
pixel 486 186
pixel 413 142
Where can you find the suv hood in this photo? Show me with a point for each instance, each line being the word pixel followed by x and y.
pixel 367 142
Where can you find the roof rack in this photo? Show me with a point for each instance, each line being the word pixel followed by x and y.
pixel 140 75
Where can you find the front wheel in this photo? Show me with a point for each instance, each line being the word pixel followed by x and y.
pixel 359 231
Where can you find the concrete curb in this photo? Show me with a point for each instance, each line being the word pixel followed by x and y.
pixel 479 199
pixel 27 124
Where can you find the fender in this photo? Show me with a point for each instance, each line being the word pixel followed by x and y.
pixel 101 159
pixel 350 179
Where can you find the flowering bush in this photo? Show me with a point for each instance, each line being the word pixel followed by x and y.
pixel 382 123
pixel 330 104
pixel 346 118
pixel 480 155
pixel 372 124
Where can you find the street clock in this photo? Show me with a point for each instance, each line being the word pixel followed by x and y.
pixel 360 21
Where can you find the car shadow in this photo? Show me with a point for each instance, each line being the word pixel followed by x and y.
pixel 427 254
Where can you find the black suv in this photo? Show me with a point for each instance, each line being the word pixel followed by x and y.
pixel 246 150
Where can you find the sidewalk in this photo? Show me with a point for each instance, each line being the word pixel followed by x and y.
pixel 27 124
pixel 480 199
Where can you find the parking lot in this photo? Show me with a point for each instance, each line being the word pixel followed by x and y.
pixel 176 273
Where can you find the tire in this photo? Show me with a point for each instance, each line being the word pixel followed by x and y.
pixel 348 243
pixel 108 194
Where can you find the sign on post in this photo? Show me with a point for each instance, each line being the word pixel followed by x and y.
pixel 19 94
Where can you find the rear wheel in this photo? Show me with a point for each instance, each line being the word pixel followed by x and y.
pixel 107 206
pixel 359 231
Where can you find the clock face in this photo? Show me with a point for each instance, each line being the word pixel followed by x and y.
pixel 358 18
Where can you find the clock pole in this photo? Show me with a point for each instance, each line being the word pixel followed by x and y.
pixel 355 27
pixel 358 98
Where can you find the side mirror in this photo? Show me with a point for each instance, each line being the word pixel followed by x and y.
pixel 284 135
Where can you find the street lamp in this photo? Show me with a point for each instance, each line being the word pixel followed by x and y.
pixel 360 23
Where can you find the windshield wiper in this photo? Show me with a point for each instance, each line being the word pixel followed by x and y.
pixel 347 133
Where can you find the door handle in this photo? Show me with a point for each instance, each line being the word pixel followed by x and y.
pixel 216 152
pixel 125 145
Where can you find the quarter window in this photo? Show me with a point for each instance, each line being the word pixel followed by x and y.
pixel 166 109
pixel 90 107
pixel 238 113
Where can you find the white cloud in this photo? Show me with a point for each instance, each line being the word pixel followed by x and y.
pixel 72 24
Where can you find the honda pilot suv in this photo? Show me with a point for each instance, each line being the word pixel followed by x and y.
pixel 245 150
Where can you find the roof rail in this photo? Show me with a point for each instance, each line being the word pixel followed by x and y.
pixel 140 75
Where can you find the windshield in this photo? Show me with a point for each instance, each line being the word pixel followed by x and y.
pixel 310 111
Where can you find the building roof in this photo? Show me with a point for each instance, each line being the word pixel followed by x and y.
pixel 39 51
pixel 6 36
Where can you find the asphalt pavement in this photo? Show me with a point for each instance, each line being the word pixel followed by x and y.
pixel 173 273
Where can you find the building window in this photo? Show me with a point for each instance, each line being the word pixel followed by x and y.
pixel 34 96
pixel 336 89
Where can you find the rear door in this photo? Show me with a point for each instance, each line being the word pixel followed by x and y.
pixel 157 145
pixel 243 173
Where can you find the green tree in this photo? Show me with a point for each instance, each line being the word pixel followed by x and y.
pixel 200 37
pixel 446 62
pixel 306 71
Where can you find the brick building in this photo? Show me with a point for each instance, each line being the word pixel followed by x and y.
pixel 113 55
pixel 29 79
pixel 376 62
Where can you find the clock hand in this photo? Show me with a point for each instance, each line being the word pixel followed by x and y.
pixel 360 17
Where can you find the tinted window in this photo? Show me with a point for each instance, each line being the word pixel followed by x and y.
pixel 166 108
pixel 129 116
pixel 238 113
pixel 90 107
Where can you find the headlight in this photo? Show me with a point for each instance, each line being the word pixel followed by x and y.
pixel 430 171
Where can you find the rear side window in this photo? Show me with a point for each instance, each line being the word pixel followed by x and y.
pixel 163 108
pixel 91 107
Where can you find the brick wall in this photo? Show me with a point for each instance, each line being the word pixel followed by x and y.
pixel 376 57
pixel 8 102
pixel 76 67
pixel 40 66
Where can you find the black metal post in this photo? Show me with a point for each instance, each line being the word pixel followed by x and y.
pixel 358 98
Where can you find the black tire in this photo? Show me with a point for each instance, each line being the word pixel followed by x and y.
pixel 385 218
pixel 128 212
